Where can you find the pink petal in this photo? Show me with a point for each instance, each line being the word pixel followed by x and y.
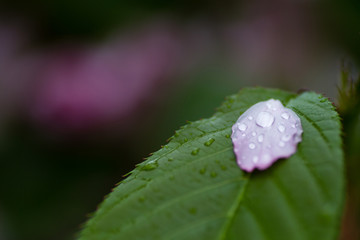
pixel 264 133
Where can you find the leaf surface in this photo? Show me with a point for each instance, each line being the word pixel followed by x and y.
pixel 192 188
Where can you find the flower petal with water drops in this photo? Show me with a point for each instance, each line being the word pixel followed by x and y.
pixel 264 133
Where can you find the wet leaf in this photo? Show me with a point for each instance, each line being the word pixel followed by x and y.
pixel 202 194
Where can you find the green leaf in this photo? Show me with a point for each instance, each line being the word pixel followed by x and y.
pixel 193 189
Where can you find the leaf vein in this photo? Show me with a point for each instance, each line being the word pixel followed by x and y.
pixel 233 209
pixel 176 199
pixel 187 163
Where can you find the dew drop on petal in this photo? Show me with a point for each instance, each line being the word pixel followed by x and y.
pixel 285 115
pixel 274 134
pixel 281 128
pixel 286 138
pixel 242 127
pixel 265 119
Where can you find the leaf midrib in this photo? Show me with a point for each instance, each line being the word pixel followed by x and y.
pixel 233 209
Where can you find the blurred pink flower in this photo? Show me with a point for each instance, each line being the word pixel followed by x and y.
pixel 80 87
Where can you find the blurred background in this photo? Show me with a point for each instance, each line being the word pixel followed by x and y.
pixel 90 88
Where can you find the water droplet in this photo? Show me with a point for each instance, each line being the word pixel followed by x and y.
pixel 253 133
pixel 192 210
pixel 252 146
pixel 281 144
pixel 242 127
pixel 285 115
pixel 281 128
pixel 250 118
pixel 150 166
pixel 227 135
pixel 255 159
pixel 286 138
pixel 195 151
pixel 260 138
pixel 202 171
pixel 213 174
pixel 265 119
pixel 209 142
